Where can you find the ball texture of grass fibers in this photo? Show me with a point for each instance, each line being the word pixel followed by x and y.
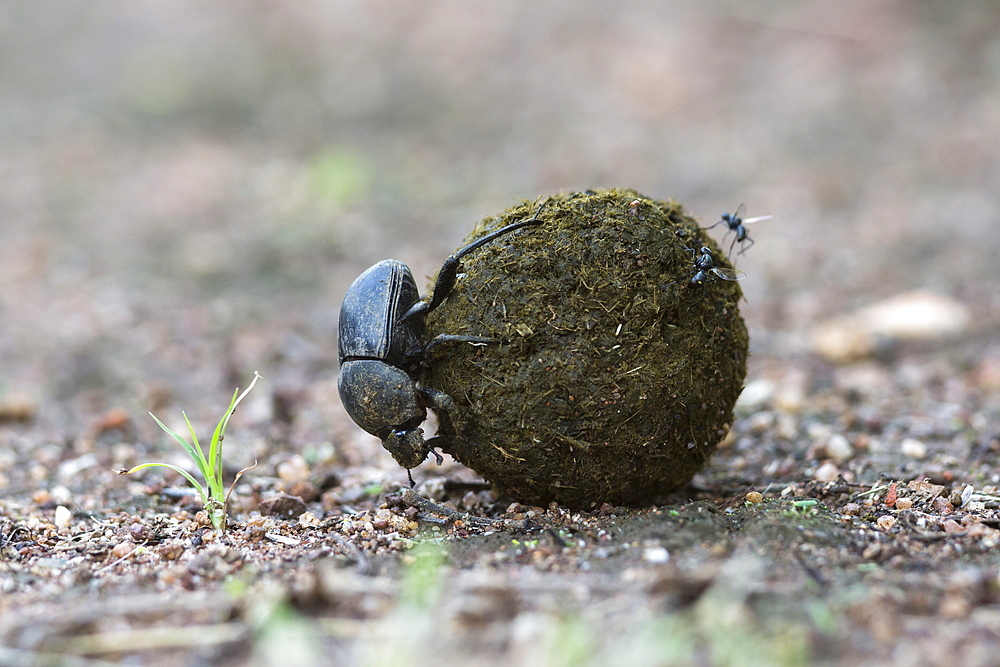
pixel 613 377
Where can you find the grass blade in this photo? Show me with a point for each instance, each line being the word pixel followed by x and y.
pixel 192 451
pixel 215 449
pixel 197 486
pixel 213 493
pixel 194 439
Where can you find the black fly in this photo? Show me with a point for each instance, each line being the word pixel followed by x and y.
pixel 737 224
pixel 705 270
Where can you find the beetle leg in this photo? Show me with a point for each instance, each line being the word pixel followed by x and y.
pixel 448 273
pixel 454 338
pixel 437 400
pixel 418 355
pixel 436 441
pixel 442 405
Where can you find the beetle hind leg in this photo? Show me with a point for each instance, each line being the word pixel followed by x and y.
pixel 438 401
pixel 444 407
pixel 444 339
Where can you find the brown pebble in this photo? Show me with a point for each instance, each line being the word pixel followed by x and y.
pixel 952 526
pixel 284 506
pixel 872 551
pixel 116 419
pixel 254 533
pixel 140 532
pixel 904 503
pixel 954 605
pixel 170 550
pixel 42 497
pixel 851 509
pixel 942 505
pixel 307 491
pixel 123 549
pixel 17 409
pixel 886 522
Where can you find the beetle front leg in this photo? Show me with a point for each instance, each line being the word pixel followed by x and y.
pixel 448 273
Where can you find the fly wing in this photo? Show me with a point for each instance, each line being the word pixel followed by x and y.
pixel 726 274
pixel 759 218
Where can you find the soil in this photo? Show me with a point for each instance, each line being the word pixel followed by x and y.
pixel 185 193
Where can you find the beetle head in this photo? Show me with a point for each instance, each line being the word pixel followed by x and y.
pixel 406 445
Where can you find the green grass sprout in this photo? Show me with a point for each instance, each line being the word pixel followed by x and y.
pixel 213 492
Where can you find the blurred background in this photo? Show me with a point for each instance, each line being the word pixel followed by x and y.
pixel 187 189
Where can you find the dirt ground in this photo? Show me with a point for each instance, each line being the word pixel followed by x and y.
pixel 187 190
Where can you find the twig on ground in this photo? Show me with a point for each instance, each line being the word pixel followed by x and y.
pixel 411 498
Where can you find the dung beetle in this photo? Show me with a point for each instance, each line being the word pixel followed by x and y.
pixel 382 351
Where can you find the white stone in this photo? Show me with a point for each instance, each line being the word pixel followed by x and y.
pixel 916 315
pixel 839 448
pixel 913 448
pixel 63 517
pixel 655 555
pixel 826 472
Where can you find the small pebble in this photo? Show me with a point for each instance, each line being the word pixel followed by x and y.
pixel 904 503
pixel 952 526
pixel 309 520
pixel 954 605
pixel 140 532
pixel 839 448
pixel 917 315
pixel 886 522
pixel 288 507
pixel 790 398
pixel 293 469
pixel 942 505
pixel 123 549
pixel 170 550
pixel 787 426
pixel 851 509
pixel 760 422
pixel 655 555
pixel 63 517
pixel 913 448
pixel 754 497
pixel 755 395
pixel 17 409
pixel 826 472
pixel 41 497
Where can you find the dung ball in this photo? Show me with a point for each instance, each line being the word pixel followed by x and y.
pixel 619 350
